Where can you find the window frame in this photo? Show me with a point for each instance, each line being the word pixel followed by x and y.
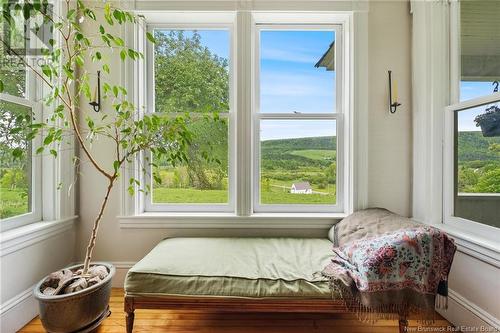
pixel 354 21
pixel 228 207
pixel 32 91
pixel 483 230
pixel 448 151
pixel 337 116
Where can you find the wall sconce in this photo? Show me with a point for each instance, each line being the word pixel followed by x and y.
pixel 96 103
pixel 393 95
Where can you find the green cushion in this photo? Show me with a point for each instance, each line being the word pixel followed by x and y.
pixel 233 267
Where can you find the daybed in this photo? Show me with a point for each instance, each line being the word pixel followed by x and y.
pixel 235 275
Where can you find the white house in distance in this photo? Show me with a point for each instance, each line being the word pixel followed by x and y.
pixel 301 188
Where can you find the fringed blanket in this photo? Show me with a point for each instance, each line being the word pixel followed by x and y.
pixel 395 267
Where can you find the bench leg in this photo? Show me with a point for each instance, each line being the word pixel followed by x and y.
pixel 129 310
pixel 130 321
pixel 403 325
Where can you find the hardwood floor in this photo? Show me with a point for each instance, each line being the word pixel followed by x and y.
pixel 202 322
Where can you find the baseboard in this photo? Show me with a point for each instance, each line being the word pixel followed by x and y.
pixel 463 313
pixel 18 311
pixel 122 268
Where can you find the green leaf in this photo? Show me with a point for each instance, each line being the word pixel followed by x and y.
pixel 105 68
pixel 53 152
pixel 1 86
pixel 132 54
pixel 123 55
pixel 47 71
pixel 150 37
pixel 79 60
pixel 40 150
pixel 48 139
pixel 70 14
pixel 116 165
pixel 131 190
pixel 17 152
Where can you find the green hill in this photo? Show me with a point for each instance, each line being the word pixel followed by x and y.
pixel 473 146
pixel 292 154
pixel 320 142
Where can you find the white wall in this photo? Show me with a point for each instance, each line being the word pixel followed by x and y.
pixel 23 262
pixel 389 163
pixel 390 150
pixel 474 292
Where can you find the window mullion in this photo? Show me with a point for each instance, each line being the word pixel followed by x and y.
pixel 243 56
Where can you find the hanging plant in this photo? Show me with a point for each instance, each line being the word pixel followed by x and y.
pixel 489 121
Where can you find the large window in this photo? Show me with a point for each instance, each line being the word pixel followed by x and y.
pixel 19 176
pixel 276 87
pixel 297 117
pixel 472 138
pixel 191 78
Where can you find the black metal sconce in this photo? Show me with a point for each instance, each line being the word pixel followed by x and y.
pixel 96 104
pixel 393 100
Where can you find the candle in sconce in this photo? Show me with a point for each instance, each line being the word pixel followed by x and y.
pixel 94 99
pixel 395 93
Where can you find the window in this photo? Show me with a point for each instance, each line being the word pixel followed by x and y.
pixel 19 175
pixel 297 117
pixel 472 135
pixel 278 83
pixel 191 75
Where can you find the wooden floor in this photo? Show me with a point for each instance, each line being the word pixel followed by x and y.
pixel 202 322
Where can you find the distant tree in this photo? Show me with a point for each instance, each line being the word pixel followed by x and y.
pixel 190 78
pixel 489 182
pixel 467 179
pixel 14 178
pixel 331 173
pixel 494 147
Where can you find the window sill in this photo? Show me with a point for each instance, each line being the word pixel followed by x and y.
pixel 229 220
pixel 18 238
pixel 473 245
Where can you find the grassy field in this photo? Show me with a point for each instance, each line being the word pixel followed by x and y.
pixel 316 154
pixel 274 196
pixel 278 195
pixel 12 202
pixel 187 195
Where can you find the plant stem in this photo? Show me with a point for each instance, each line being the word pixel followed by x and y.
pixel 91 244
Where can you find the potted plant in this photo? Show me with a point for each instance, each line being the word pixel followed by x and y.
pixel 489 121
pixel 76 298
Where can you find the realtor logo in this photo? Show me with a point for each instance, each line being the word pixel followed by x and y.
pixel 26 27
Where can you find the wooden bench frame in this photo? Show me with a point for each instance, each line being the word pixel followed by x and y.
pixel 231 304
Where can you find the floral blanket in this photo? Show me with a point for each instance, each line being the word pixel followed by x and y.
pixel 398 271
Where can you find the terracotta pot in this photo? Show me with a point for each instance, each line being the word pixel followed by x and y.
pixel 79 311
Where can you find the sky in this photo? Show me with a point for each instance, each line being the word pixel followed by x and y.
pixel 469 90
pixel 289 82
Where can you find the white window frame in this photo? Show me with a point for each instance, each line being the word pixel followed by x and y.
pixel 448 170
pixel 480 229
pixel 275 24
pixel 32 91
pixel 53 179
pixel 202 23
pixel 244 16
